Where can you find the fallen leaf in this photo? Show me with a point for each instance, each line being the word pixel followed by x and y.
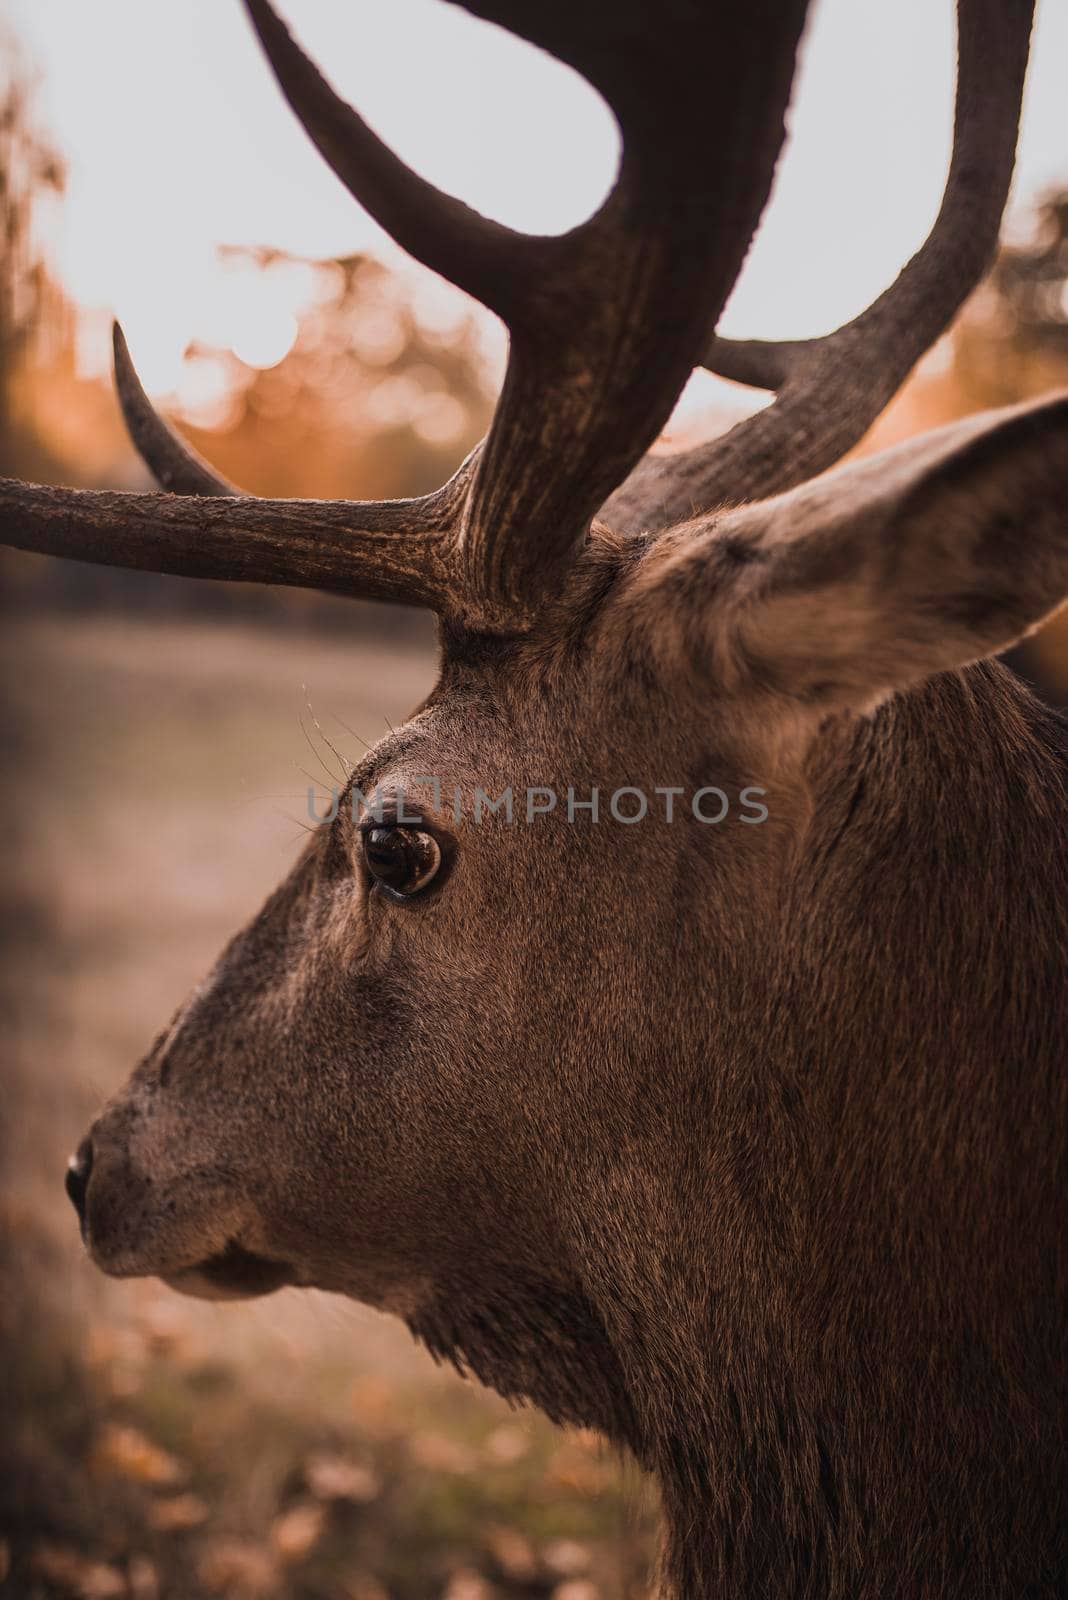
pixel 124 1452
pixel 236 1567
pixel 142 1578
pixel 513 1553
pixel 565 1558
pixel 465 1585
pixel 295 1532
pixel 101 1582
pixel 76 1574
pixel 176 1513
pixel 331 1477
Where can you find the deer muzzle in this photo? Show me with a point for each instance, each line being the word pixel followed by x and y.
pixel 186 1227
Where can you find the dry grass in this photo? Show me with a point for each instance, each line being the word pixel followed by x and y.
pixel 162 1448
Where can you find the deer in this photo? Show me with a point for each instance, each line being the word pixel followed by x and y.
pixel 741 1145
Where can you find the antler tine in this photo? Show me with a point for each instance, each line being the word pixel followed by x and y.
pixel 174 464
pixel 832 389
pixel 380 550
pixel 606 320
pixel 476 254
pixel 758 363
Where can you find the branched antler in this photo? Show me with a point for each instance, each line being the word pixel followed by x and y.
pixel 831 390
pixel 605 322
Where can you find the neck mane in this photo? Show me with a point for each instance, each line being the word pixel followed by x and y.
pixel 870 1348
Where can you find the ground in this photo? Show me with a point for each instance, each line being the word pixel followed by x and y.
pixel 158 1448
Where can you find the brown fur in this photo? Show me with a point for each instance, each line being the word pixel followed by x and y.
pixel 743 1144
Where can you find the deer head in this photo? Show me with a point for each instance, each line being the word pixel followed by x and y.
pixel 726 1128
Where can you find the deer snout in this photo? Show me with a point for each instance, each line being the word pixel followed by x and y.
pixel 146 1209
pixel 79 1169
pixel 113 1196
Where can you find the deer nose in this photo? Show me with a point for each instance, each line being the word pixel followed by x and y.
pixel 79 1167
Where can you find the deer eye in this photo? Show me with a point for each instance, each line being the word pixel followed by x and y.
pixel 403 861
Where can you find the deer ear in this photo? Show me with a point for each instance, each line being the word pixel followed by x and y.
pixel 877 575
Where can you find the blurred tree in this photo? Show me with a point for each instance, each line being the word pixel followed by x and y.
pixel 374 398
pixel 1012 341
pixel 1031 280
pixel 30 304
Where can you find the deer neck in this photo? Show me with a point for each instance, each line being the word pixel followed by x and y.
pixel 910 993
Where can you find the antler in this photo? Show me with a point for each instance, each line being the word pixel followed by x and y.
pixel 831 390
pixel 604 324
pixel 174 464
pixel 383 550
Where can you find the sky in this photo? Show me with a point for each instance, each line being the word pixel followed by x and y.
pixel 177 141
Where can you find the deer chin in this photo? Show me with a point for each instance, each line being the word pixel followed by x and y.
pixel 234 1274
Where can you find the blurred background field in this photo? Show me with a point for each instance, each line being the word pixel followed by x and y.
pixel 159 740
